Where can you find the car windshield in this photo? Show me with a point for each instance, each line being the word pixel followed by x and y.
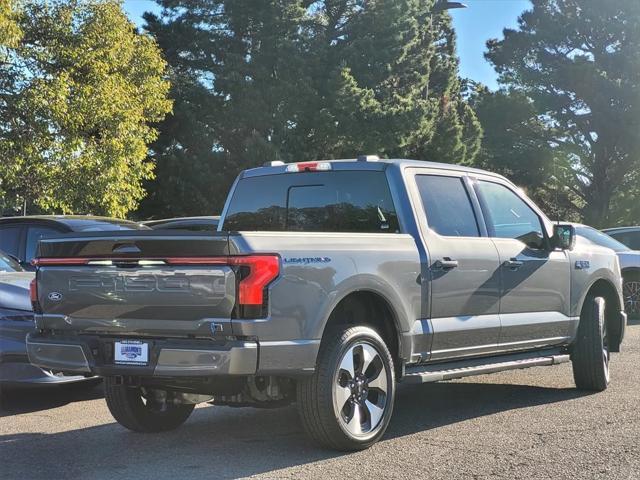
pixel 602 239
pixel 8 264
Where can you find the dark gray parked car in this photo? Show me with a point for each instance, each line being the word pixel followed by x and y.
pixel 19 236
pixel 327 284
pixel 192 224
pixel 16 321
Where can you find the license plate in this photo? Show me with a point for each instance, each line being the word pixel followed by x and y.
pixel 131 352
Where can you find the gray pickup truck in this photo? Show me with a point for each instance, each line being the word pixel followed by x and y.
pixel 326 284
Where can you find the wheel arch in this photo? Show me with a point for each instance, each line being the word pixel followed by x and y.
pixel 603 287
pixel 369 307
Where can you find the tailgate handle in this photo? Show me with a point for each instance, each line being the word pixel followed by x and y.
pixel 126 248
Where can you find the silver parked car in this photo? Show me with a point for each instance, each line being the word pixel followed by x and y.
pixel 16 321
pixel 629 264
pixel 630 236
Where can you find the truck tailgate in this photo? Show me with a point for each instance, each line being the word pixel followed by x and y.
pixel 143 283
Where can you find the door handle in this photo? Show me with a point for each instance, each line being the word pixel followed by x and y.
pixel 445 264
pixel 513 264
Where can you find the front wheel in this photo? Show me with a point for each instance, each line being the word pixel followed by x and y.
pixel 590 355
pixel 347 403
pixel 138 410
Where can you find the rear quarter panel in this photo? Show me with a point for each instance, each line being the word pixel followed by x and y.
pixel 320 269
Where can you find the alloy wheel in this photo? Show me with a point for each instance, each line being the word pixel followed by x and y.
pixel 360 389
pixel 631 293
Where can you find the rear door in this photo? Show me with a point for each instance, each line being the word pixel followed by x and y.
pixel 534 280
pixel 463 266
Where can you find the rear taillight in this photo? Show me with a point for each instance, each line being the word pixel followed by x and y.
pixel 261 271
pixel 33 295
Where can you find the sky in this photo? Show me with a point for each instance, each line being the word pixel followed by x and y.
pixel 482 20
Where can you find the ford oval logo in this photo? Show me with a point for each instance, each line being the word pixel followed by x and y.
pixel 55 296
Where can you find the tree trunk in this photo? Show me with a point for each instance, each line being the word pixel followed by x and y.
pixel 596 212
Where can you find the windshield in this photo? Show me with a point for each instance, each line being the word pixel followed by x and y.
pixel 8 264
pixel 602 239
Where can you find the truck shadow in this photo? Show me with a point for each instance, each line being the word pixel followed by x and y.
pixel 15 401
pixel 227 443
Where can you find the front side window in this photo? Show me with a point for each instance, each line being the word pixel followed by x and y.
pixel 447 206
pixel 339 201
pixel 508 216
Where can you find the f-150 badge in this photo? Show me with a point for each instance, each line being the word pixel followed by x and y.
pixel 582 264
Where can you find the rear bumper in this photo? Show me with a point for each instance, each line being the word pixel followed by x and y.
pixel 167 358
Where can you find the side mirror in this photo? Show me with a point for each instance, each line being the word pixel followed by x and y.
pixel 564 236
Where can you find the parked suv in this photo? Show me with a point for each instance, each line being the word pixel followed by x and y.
pixel 326 284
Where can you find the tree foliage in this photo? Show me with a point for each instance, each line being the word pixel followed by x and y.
pixel 80 89
pixel 516 144
pixel 292 80
pixel 578 64
pixel 9 29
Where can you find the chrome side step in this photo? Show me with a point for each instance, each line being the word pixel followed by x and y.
pixel 481 366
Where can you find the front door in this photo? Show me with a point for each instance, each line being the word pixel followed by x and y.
pixel 463 268
pixel 534 280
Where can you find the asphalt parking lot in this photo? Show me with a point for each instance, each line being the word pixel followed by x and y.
pixel 527 424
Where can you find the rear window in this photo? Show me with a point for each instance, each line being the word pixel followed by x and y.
pixel 343 201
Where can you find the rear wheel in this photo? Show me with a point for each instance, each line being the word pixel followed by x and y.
pixel 631 294
pixel 590 353
pixel 138 410
pixel 347 403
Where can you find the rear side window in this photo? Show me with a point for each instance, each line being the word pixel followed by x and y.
pixel 10 239
pixel 34 235
pixel 339 201
pixel 447 206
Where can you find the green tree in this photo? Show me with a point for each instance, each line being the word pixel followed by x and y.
pixel 261 80
pixel 9 29
pixel 516 144
pixel 81 90
pixel 578 62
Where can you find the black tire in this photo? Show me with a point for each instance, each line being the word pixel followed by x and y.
pixel 631 294
pixel 318 398
pixel 127 406
pixel 590 354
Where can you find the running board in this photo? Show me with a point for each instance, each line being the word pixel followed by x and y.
pixel 481 366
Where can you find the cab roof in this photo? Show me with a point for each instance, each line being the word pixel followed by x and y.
pixel 367 163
